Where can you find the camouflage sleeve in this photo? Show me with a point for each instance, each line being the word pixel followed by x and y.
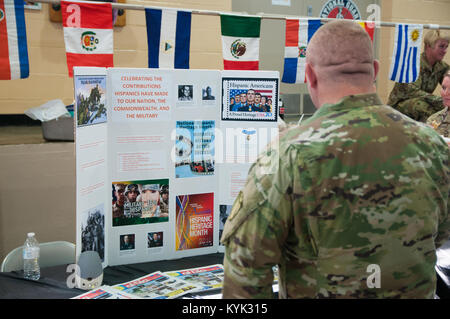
pixel 255 232
pixel 444 219
pixel 413 90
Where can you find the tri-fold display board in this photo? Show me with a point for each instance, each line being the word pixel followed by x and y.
pixel 162 154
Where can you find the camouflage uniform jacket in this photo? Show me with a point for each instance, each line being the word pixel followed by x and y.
pixel 440 121
pixel 426 83
pixel 355 185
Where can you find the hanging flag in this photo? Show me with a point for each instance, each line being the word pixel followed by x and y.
pixel 405 64
pixel 88 34
pixel 298 35
pixel 13 41
pixel 240 42
pixel 369 27
pixel 168 38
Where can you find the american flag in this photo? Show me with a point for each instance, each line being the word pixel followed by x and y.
pixel 266 93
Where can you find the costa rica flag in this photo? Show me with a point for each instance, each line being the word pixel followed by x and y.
pixel 13 41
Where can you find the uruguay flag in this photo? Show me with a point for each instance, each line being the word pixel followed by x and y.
pixel 13 41
pixel 168 38
pixel 405 62
pixel 298 34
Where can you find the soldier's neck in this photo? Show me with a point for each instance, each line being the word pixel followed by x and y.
pixel 430 59
pixel 336 95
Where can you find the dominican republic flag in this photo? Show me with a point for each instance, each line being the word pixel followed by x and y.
pixel 13 41
pixel 168 38
pixel 240 42
pixel 88 34
pixel 405 64
pixel 298 35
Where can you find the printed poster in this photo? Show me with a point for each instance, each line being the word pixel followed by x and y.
pixel 250 99
pixel 194 148
pixel 140 202
pixel 210 277
pixel 194 221
pixel 157 286
pixel 93 231
pixel 105 292
pixel 90 99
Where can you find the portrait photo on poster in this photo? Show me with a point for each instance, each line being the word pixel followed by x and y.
pixel 140 202
pixel 90 99
pixel 209 93
pixel 185 95
pixel 155 239
pixel 127 242
pixel 250 99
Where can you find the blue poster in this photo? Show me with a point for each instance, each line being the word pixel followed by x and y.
pixel 194 149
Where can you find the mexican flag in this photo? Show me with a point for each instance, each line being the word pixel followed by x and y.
pixel 240 42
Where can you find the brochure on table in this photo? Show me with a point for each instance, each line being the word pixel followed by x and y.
pixel 162 154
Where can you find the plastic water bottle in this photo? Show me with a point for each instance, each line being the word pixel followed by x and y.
pixel 31 269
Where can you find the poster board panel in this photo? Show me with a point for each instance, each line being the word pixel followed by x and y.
pixel 158 165
pixel 91 160
pixel 150 111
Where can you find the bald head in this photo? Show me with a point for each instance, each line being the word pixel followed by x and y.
pixel 342 51
pixel 340 62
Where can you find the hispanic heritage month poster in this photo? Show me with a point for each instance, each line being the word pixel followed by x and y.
pixel 194 148
pixel 140 202
pixel 194 221
pixel 90 99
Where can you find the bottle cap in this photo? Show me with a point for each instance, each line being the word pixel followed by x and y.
pixel 30 234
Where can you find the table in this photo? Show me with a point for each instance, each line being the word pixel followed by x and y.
pixel 52 284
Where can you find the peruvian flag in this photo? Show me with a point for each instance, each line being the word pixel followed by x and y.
pixel 240 42
pixel 88 34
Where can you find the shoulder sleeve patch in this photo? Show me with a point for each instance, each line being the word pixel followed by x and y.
pixel 247 202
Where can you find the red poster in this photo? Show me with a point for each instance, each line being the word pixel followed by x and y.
pixel 194 221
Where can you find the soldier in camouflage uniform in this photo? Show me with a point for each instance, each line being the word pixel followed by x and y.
pixel 440 121
pixel 416 99
pixel 355 187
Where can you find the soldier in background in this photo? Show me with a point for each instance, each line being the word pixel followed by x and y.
pixel 440 121
pixel 347 205
pixel 150 199
pixel 416 99
pixel 132 207
pixel 118 205
pixel 164 202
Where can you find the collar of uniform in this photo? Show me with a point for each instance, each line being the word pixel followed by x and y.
pixel 351 101
pixel 424 61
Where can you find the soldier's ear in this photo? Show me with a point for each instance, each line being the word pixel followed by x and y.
pixel 376 68
pixel 311 77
